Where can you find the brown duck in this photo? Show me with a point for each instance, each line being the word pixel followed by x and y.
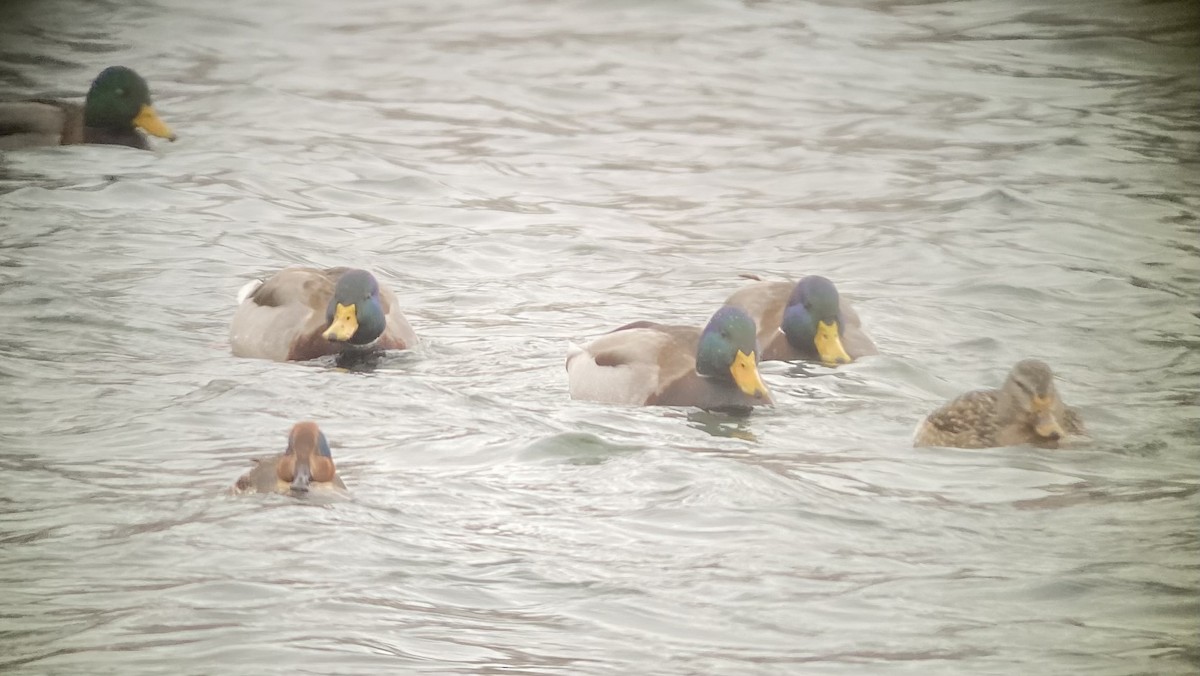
pixel 1025 410
pixel 306 465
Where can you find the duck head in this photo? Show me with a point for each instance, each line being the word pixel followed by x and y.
pixel 307 458
pixel 1029 398
pixel 120 99
pixel 355 313
pixel 812 320
pixel 728 352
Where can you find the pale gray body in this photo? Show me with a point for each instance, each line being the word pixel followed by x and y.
pixel 283 318
pixel 649 364
pixel 634 364
pixel 25 124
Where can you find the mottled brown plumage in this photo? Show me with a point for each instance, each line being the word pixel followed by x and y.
pixel 1025 410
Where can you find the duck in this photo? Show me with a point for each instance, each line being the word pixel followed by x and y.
pixel 117 105
pixel 306 465
pixel 1027 410
pixel 804 320
pixel 303 313
pixel 650 364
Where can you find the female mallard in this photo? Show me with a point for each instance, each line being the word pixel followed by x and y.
pixel 1025 410
pixel 307 464
pixel 650 364
pixel 117 105
pixel 305 313
pixel 806 320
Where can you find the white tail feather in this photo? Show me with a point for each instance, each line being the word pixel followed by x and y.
pixel 248 290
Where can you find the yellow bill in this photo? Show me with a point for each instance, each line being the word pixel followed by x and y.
pixel 345 323
pixel 829 345
pixel 1045 423
pixel 745 375
pixel 149 121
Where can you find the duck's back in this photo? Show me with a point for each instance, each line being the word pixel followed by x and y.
pixel 632 364
pixel 261 479
pixel 30 124
pixel 765 303
pixel 969 421
pixel 264 478
pixel 288 305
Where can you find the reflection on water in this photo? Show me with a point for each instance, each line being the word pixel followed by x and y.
pixel 987 182
pixel 718 424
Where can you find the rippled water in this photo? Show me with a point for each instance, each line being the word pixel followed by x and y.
pixel 988 180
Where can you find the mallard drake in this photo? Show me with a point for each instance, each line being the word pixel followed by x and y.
pixel 806 320
pixel 1025 410
pixel 307 464
pixel 117 104
pixel 651 364
pixel 305 313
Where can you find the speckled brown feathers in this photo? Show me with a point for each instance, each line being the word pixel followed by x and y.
pixel 1025 410
pixel 966 422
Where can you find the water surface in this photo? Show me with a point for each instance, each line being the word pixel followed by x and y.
pixel 988 181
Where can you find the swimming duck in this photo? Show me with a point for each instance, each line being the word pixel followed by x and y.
pixel 307 464
pixel 806 320
pixel 305 313
pixel 651 364
pixel 117 104
pixel 1025 410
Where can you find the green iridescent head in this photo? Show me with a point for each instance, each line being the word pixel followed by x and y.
pixel 355 313
pixel 812 321
pixel 119 100
pixel 728 351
